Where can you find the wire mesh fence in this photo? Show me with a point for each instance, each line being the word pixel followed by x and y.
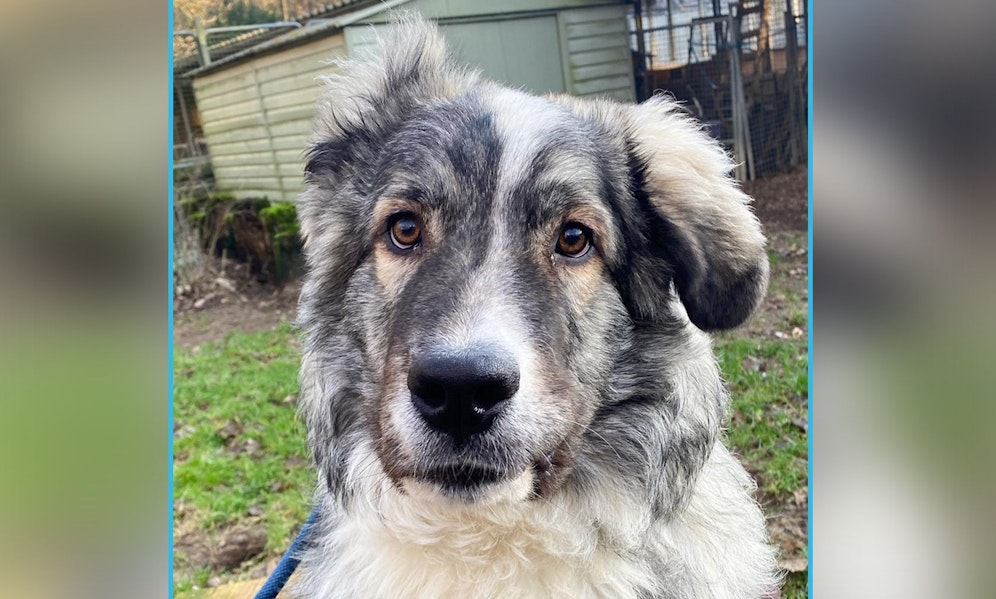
pixel 739 67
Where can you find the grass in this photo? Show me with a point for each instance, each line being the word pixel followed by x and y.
pixel 769 384
pixel 798 318
pixel 774 258
pixel 796 586
pixel 241 455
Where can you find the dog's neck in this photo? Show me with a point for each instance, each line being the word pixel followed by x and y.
pixel 390 539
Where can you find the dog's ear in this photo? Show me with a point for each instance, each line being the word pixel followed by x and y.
pixel 368 98
pixel 706 230
pixel 701 233
pixel 364 101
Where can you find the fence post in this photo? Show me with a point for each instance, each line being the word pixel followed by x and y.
pixel 743 152
pixel 672 57
pixel 641 49
pixel 792 68
pixel 202 41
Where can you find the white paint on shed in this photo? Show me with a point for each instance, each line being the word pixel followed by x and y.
pixel 257 118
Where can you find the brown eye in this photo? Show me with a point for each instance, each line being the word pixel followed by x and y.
pixel 574 240
pixel 406 231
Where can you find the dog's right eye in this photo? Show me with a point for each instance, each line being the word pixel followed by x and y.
pixel 405 231
pixel 574 240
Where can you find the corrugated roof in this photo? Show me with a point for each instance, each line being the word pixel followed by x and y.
pixel 328 21
pixel 223 51
pixel 330 9
pixel 188 63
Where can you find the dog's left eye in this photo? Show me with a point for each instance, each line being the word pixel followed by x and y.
pixel 574 240
pixel 405 231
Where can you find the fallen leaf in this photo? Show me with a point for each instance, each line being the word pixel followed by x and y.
pixel 794 564
pixel 252 447
pixel 231 430
pixel 225 284
pixel 754 364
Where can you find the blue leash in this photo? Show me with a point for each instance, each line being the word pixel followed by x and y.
pixel 288 563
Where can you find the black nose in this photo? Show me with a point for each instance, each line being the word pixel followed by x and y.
pixel 461 393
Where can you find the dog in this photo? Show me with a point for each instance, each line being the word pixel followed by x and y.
pixel 506 380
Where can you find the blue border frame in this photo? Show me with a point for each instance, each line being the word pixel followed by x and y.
pixel 809 270
pixel 169 301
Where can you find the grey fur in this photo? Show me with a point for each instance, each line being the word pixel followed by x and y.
pixel 622 390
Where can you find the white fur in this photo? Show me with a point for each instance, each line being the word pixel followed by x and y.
pixel 395 544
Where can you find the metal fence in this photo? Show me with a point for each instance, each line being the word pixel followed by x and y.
pixel 739 67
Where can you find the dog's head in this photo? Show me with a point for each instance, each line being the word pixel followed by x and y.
pixel 487 268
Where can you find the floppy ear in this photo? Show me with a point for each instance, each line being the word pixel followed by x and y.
pixel 708 232
pixel 701 232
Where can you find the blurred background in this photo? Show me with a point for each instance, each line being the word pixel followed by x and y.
pixel 902 277
pixel 84 188
pixel 903 291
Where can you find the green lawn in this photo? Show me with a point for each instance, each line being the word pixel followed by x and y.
pixel 241 455
pixel 768 429
pixel 769 385
pixel 240 450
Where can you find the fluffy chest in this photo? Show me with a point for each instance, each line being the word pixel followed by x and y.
pixel 404 547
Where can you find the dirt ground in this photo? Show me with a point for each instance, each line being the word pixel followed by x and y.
pixel 780 204
pixel 780 200
pixel 233 301
pixel 229 300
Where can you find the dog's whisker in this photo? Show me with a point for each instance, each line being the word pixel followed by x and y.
pixel 589 430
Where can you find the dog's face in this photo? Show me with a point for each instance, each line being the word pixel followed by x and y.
pixel 484 265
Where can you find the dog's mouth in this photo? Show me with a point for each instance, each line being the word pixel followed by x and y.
pixel 470 481
pixel 464 477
